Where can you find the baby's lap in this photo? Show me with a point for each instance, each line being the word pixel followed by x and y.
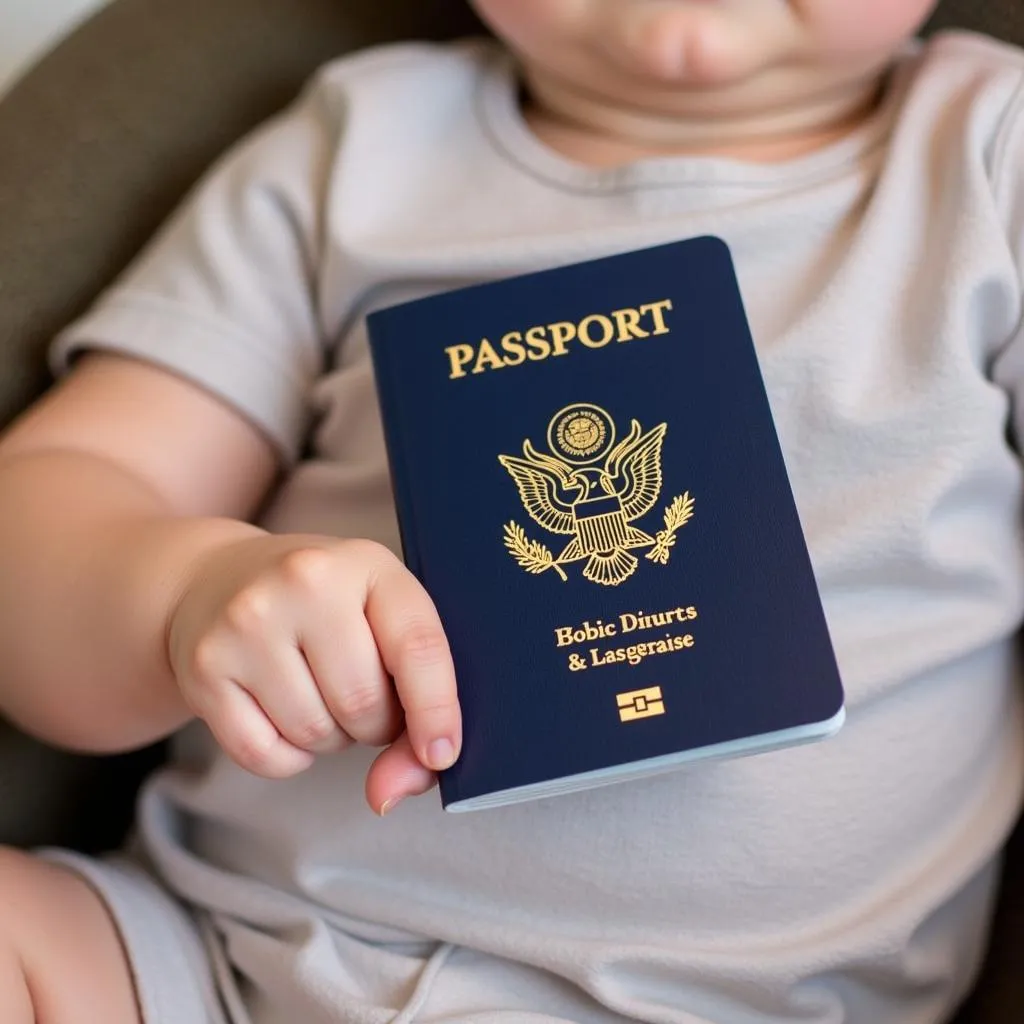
pixel 36 892
pixel 159 941
pixel 182 971
pixel 59 944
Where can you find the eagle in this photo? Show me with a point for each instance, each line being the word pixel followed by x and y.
pixel 594 504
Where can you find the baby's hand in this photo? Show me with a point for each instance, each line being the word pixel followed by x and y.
pixel 287 646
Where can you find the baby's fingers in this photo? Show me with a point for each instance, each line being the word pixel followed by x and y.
pixel 415 652
pixel 343 657
pixel 247 735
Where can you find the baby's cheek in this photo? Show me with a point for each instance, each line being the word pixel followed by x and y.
pixel 865 26
pixel 521 22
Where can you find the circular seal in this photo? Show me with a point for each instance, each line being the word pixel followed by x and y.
pixel 581 432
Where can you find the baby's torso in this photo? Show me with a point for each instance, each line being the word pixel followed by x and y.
pixel 880 309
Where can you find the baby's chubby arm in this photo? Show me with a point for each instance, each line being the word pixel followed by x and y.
pixel 134 596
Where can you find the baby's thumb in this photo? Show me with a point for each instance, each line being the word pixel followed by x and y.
pixel 396 774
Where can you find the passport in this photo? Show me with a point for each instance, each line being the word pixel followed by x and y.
pixel 590 486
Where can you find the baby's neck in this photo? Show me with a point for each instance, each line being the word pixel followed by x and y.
pixel 593 132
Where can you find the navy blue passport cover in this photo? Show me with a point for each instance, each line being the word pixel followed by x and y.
pixel 590 487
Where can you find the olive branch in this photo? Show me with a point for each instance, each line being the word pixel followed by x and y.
pixel 676 515
pixel 530 554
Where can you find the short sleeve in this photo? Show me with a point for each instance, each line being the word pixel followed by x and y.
pixel 226 294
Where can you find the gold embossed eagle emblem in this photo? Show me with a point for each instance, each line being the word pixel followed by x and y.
pixel 592 489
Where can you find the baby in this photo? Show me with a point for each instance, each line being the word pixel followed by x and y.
pixel 198 538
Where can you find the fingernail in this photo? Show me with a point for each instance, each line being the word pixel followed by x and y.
pixel 389 805
pixel 441 755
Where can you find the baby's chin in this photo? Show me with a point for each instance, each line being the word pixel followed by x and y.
pixel 700 44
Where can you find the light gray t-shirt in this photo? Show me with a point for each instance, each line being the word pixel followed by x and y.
pixel 845 881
